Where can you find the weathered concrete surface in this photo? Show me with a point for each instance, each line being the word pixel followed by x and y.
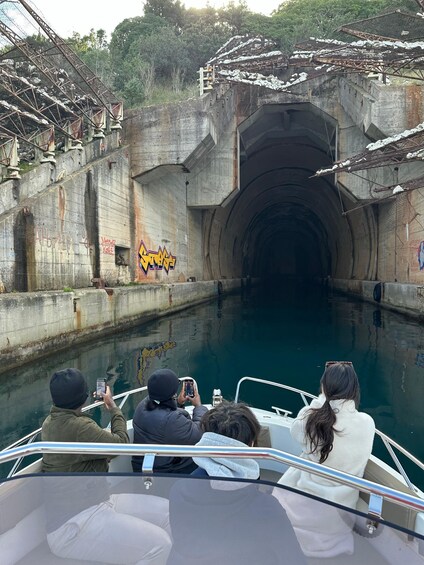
pixel 221 187
pixel 34 324
pixel 405 298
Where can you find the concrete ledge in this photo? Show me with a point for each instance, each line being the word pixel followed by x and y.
pixel 401 297
pixel 37 323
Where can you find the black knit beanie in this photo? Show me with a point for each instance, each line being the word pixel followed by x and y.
pixel 162 385
pixel 68 389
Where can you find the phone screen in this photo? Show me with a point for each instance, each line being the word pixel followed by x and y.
pixel 189 388
pixel 100 387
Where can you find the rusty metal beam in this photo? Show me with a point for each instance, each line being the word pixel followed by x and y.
pixel 412 184
pixel 66 88
pixel 101 92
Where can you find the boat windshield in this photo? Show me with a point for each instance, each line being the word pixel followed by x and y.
pixel 134 518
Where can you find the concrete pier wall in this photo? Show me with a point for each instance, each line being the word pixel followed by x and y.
pixel 401 297
pixel 37 323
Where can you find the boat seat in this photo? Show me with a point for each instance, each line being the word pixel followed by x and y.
pixel 264 439
pixel 42 555
pixel 393 513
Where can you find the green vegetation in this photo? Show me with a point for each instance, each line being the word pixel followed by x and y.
pixel 154 58
pixel 68 289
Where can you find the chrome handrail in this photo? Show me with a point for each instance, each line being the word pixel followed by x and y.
pixel 125 395
pixel 113 449
pixel 387 441
pixel 302 393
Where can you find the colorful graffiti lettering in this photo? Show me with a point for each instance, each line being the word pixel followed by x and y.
pixel 148 353
pixel 108 246
pixel 155 260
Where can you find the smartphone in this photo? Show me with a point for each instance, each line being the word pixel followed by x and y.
pixel 100 387
pixel 189 388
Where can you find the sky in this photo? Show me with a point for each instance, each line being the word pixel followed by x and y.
pixel 84 15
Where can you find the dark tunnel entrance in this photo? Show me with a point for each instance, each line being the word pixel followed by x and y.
pixel 285 223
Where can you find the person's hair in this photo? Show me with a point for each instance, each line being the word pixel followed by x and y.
pixel 339 382
pixel 234 420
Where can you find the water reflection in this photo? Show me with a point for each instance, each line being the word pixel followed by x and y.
pixel 284 336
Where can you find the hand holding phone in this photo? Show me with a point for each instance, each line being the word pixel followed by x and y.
pixel 189 388
pixel 100 389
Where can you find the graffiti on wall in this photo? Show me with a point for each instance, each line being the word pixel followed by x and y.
pixel 421 255
pixel 155 260
pixel 148 353
pixel 107 245
pixel 46 238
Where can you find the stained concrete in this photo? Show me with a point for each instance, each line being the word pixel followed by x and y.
pixel 219 188
pixel 35 324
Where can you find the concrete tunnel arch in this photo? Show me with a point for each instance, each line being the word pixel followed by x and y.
pixel 283 223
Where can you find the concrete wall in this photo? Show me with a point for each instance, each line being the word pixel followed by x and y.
pixel 405 298
pixel 164 225
pixel 63 227
pixel 34 324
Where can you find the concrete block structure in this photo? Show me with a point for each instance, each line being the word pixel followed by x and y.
pixel 217 188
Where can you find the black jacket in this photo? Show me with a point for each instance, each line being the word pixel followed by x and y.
pixel 166 426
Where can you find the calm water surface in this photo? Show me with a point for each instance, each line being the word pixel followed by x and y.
pixel 285 336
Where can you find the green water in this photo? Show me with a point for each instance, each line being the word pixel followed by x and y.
pixel 285 336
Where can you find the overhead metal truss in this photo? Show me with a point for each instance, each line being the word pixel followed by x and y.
pixel 90 82
pixel 393 26
pixel 406 186
pixel 47 94
pixel 404 147
pixel 394 58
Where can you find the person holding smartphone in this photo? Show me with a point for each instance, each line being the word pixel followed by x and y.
pixel 83 519
pixel 161 418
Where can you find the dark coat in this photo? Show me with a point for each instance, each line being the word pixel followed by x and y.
pixel 166 426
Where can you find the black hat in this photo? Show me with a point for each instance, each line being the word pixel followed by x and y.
pixel 162 385
pixel 68 389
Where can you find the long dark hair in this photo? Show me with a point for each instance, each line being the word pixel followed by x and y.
pixel 339 382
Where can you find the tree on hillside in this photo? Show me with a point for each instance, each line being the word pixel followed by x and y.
pixel 172 11
pixel 127 64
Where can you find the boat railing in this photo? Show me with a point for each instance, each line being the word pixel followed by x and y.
pixel 388 443
pixel 377 492
pixel 123 395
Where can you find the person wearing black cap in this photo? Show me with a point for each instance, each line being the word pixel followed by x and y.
pixel 83 520
pixel 66 422
pixel 160 418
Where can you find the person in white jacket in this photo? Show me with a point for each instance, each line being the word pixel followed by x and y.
pixel 330 431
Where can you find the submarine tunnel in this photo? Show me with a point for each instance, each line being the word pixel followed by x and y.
pixel 284 223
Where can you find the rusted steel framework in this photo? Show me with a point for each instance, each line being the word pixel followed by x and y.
pixel 256 61
pixel 49 98
pixel 89 81
pixel 406 186
pixel 400 58
pixel 404 147
pixel 392 26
